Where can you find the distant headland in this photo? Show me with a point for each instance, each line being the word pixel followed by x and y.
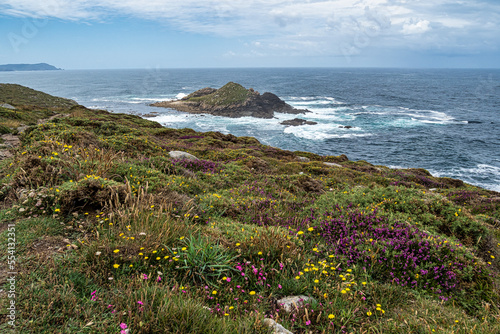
pixel 231 100
pixel 28 67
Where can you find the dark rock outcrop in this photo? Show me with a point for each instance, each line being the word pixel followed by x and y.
pixel 231 100
pixel 297 122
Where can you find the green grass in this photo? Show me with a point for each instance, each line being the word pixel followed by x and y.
pixel 110 230
pixel 230 94
pixel 21 96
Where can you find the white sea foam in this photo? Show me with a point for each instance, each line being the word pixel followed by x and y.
pixel 311 100
pixel 430 116
pixel 310 103
pixel 404 123
pixel 422 116
pixel 475 175
pixel 302 98
pixel 324 131
pixel 482 169
pixel 132 100
pixel 104 99
pixel 180 96
pixel 169 119
pixel 148 99
pixel 318 135
pixel 329 114
pixel 97 107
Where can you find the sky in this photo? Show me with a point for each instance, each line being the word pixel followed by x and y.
pixel 108 34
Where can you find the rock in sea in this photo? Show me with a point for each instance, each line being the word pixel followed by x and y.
pixel 297 122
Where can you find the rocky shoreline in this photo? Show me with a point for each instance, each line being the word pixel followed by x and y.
pixel 232 100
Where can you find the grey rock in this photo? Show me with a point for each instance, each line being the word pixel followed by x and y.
pixel 331 164
pixel 303 159
pixel 4 154
pixel 22 128
pixel 292 302
pixel 7 106
pixel 297 122
pixel 150 115
pixel 277 328
pixel 181 155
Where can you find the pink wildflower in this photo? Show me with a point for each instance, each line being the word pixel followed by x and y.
pixel 94 295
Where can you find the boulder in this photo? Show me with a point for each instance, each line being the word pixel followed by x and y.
pixel 7 106
pixel 277 328
pixel 181 155
pixel 345 127
pixel 292 302
pixel 332 164
pixel 303 159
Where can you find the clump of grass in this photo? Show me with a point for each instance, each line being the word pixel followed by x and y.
pixel 202 261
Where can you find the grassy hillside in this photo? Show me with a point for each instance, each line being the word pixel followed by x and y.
pixel 111 234
pixel 229 94
pixel 21 96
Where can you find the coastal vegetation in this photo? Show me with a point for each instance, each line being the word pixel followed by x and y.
pixel 231 100
pixel 113 235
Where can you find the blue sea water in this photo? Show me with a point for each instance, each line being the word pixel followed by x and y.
pixel 443 120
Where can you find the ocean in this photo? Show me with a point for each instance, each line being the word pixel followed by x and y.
pixel 444 120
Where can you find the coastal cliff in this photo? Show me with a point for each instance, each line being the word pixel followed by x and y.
pixel 231 100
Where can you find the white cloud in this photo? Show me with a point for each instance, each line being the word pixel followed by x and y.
pixel 313 27
pixel 451 22
pixel 419 27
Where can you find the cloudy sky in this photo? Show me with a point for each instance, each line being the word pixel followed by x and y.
pixel 81 34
